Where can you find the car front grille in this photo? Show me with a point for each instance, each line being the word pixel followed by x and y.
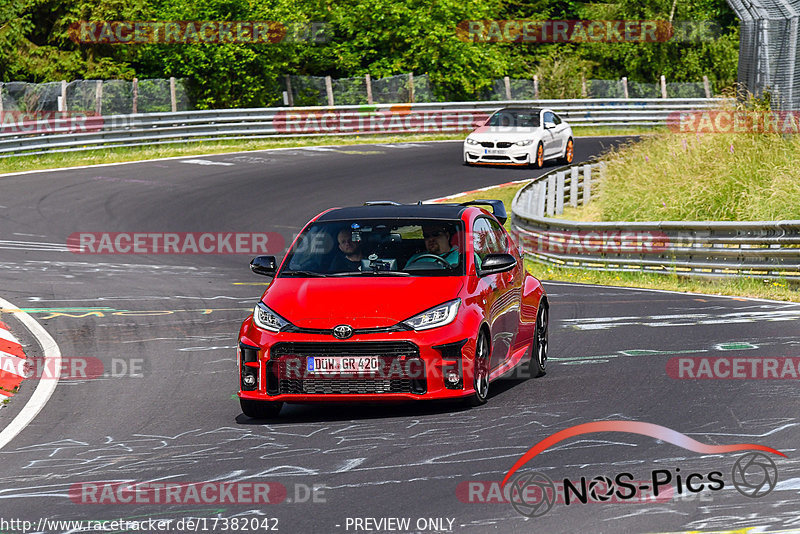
pixel 487 144
pixel 504 144
pixel 400 369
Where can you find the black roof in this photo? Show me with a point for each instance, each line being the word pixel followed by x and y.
pixel 402 211
pixel 521 108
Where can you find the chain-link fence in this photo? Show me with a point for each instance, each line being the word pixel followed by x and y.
pixel 96 97
pixel 769 45
pixel 314 90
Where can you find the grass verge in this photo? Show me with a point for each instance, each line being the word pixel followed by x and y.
pixel 121 155
pixel 774 289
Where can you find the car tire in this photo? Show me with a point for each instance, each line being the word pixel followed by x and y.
pixel 569 152
pixel 480 373
pixel 260 409
pixel 538 161
pixel 538 362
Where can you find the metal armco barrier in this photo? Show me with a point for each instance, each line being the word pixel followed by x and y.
pixel 39 134
pixel 762 249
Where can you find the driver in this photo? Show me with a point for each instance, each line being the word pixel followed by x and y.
pixel 351 255
pixel 437 241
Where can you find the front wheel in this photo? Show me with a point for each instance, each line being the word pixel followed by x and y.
pixel 480 372
pixel 260 409
pixel 539 357
pixel 538 163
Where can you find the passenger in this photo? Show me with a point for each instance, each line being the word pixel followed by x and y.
pixel 437 242
pixel 351 255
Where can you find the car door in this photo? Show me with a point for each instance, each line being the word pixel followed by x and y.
pixel 561 133
pixel 551 142
pixel 493 289
pixel 511 291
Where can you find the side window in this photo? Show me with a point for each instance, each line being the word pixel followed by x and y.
pixel 482 239
pixel 556 119
pixel 549 116
pixel 499 239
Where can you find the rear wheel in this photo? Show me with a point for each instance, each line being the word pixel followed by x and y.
pixel 480 373
pixel 260 409
pixel 569 152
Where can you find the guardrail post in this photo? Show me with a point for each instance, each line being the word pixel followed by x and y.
pixel 663 87
pixel 573 187
pixel 368 82
pixel 289 93
pixel 507 83
pixel 98 98
pixel 63 95
pixel 411 87
pixel 536 86
pixel 707 86
pixel 587 184
pixel 551 195
pixel 540 198
pixel 329 90
pixel 625 86
pixel 560 192
pixel 135 88
pixel 172 97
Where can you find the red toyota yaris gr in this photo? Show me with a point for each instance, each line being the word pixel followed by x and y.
pixel 390 302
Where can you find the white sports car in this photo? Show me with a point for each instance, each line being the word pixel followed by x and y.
pixel 520 136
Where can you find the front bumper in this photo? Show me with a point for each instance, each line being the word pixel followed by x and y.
pixel 412 365
pixel 497 156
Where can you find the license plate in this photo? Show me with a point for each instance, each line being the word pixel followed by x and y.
pixel 494 151
pixel 341 364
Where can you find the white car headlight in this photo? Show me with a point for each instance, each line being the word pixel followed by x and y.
pixel 267 319
pixel 526 142
pixel 471 141
pixel 434 317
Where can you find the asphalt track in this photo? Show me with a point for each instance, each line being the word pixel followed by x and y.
pixel 174 319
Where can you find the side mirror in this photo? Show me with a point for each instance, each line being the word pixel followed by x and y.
pixel 497 263
pixel 549 125
pixel 266 265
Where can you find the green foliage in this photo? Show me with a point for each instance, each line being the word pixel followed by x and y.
pixel 366 36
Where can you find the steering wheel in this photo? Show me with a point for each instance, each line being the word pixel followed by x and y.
pixel 435 257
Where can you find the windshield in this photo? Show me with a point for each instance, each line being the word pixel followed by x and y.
pixel 378 247
pixel 515 119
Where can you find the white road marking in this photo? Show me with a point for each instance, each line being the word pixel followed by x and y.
pixel 33 245
pixel 686 319
pixel 207 162
pixel 45 388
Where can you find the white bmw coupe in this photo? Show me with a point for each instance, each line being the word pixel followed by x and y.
pixel 520 136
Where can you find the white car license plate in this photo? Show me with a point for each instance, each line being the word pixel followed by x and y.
pixel 494 151
pixel 341 364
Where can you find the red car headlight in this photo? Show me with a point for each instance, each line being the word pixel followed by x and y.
pixel 435 317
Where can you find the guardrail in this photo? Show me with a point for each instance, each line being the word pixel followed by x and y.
pixel 55 133
pixel 762 249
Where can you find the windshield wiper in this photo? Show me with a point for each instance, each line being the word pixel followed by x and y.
pixel 304 273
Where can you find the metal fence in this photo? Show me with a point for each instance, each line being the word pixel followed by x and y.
pixel 769 43
pixel 96 97
pixel 409 88
pixel 36 135
pixel 762 249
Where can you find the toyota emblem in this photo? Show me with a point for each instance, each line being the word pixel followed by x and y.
pixel 342 331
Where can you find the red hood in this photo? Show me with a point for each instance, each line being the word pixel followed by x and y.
pixel 358 302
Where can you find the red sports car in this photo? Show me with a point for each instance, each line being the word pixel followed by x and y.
pixel 390 302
